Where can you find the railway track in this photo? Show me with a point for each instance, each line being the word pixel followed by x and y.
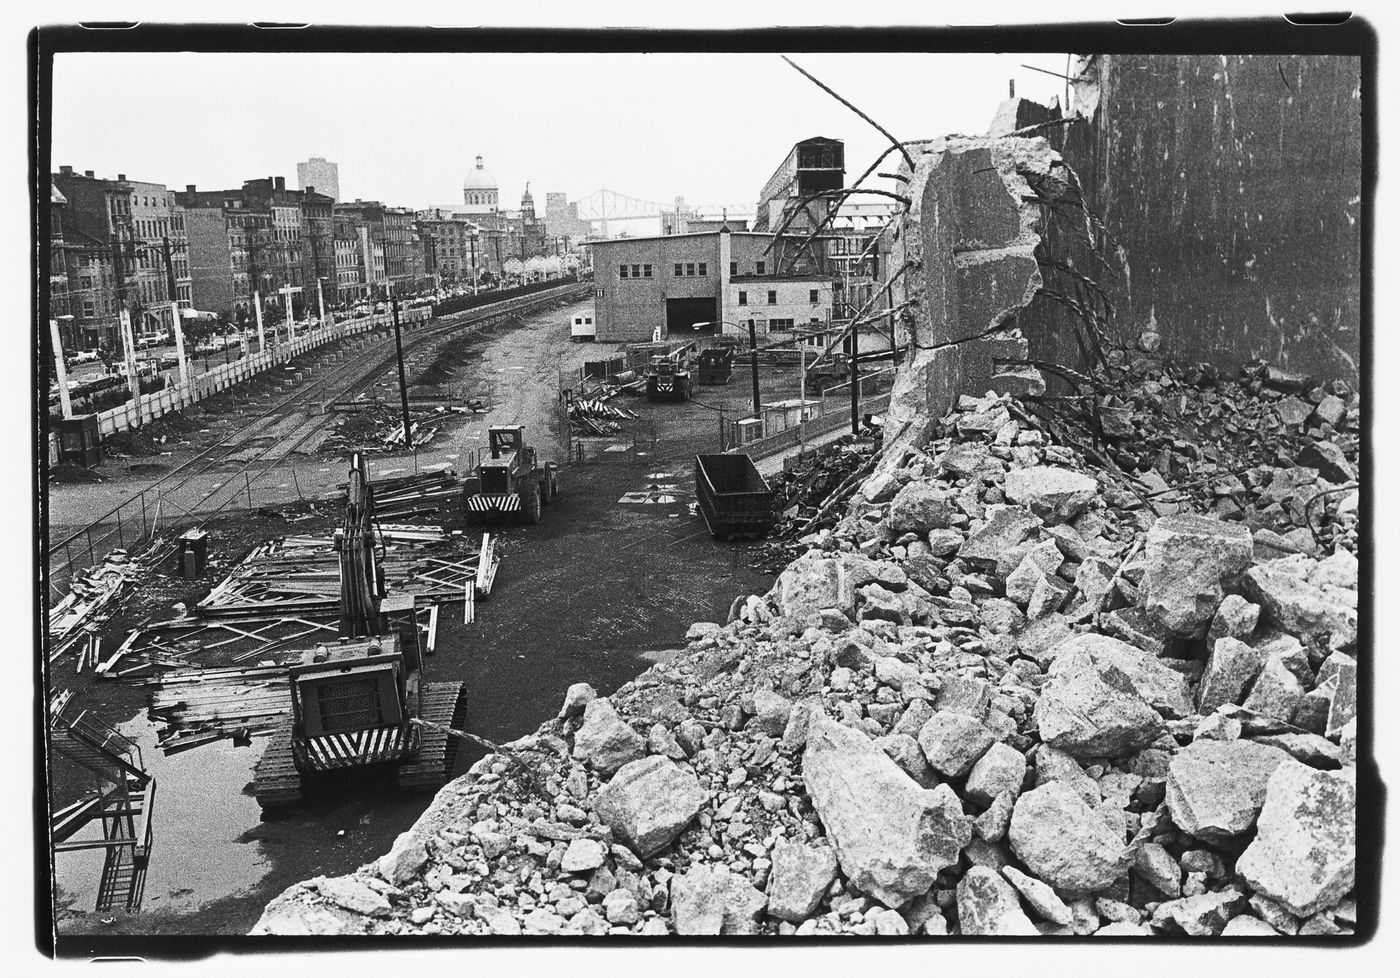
pixel 170 496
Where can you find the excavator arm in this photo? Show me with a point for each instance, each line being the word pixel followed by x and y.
pixel 360 582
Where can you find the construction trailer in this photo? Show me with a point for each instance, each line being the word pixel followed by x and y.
pixel 358 702
pixel 511 480
pixel 582 327
pixel 716 365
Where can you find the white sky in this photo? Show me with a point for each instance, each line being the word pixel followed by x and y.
pixel 406 127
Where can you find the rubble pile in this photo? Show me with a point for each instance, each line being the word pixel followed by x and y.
pixel 1001 696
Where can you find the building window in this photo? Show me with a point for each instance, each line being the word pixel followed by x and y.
pixel 690 268
pixel 703 270
pixel 679 270
pixel 646 271
pixel 636 271
pixel 622 271
pixel 772 297
pixel 780 324
pixel 734 268
pixel 812 296
pixel 758 268
pixel 743 298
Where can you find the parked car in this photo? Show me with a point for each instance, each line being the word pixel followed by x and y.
pixel 85 356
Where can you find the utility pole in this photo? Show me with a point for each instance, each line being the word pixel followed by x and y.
pixel 855 381
pixel 753 362
pixel 61 370
pixel 403 383
pixel 802 396
pixel 320 303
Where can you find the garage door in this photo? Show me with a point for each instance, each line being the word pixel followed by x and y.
pixel 683 314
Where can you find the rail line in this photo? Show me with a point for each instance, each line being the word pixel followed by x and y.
pixel 109 530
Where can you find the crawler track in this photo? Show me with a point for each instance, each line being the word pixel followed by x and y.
pixel 445 704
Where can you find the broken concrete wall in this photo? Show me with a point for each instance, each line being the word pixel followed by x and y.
pixel 1230 192
pixel 968 242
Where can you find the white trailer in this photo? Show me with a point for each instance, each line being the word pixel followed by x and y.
pixel 582 327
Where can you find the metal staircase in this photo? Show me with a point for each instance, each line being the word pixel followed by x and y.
pixel 121 797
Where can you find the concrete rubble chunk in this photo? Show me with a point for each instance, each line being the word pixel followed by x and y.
pixel 812 584
pixel 1091 708
pixel 771 712
pixel 1000 769
pixel 583 855
pixel 1291 601
pixel 1234 618
pixel 987 906
pixel 1062 841
pixel 1230 668
pixel 1041 898
pixel 1201 915
pixel 578 696
pixel 350 894
pixel 1156 866
pixel 800 878
pixel 891 836
pixel 1187 561
pixel 1056 765
pixel 292 915
pixel 1247 926
pixel 1276 692
pixel 649 802
pixel 1304 853
pixel 710 900
pixel 1215 788
pixel 920 507
pixel 403 860
pixel 1006 527
pixel 953 743
pixel 604 741
pixel 1054 494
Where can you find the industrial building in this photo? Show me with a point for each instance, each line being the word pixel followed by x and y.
pixel 679 280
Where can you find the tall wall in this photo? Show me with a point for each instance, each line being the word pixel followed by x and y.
pixel 1230 190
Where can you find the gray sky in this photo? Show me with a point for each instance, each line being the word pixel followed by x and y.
pixel 405 127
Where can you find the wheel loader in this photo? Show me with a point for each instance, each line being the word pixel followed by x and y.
pixel 512 480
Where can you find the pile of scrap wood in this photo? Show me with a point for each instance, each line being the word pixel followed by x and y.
pixel 199 706
pixel 73 621
pixel 415 495
pixel 379 427
pixel 592 415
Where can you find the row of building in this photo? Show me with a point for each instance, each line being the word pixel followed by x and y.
pixel 120 242
pixel 712 277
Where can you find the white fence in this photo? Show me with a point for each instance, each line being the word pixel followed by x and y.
pixel 133 414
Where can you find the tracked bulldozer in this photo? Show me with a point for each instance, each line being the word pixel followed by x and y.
pixel 354 702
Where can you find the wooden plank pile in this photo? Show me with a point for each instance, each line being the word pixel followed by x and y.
pixel 416 495
pixel 199 706
pixel 73 621
pixel 592 415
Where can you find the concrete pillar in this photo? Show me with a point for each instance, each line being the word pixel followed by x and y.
pixel 132 380
pixel 287 297
pixel 178 332
pixel 257 311
pixel 61 368
pixel 320 305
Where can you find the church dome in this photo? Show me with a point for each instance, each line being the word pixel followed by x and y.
pixel 479 178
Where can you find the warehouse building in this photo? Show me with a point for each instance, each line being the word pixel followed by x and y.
pixel 680 281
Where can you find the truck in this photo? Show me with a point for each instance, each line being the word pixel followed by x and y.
pixel 667 380
pixel 734 498
pixel 359 703
pixel 582 328
pixel 511 480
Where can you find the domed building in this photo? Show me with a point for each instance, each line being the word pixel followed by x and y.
pixel 480 193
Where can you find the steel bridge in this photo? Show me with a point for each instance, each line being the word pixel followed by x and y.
pixel 609 205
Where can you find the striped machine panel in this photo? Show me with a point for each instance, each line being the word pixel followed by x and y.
pixel 331 751
pixel 493 504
